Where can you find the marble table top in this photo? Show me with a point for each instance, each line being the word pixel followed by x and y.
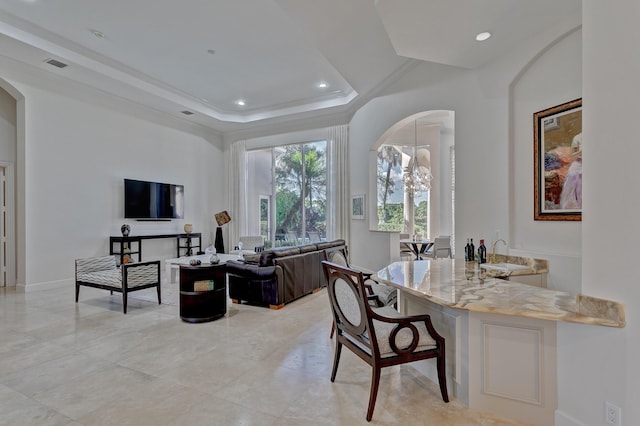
pixel 461 285
pixel 204 258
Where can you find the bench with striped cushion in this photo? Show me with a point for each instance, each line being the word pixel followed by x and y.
pixel 103 272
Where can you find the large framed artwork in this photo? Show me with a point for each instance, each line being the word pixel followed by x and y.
pixel 557 152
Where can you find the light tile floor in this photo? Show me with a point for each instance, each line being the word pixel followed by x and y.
pixel 63 363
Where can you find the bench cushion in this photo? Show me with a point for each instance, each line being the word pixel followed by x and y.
pixel 110 277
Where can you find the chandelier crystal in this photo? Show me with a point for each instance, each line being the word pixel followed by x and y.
pixel 417 178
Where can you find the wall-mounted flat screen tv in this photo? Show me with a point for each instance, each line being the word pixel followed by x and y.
pixel 153 200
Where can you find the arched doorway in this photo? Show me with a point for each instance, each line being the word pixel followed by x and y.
pixel 11 120
pixel 424 140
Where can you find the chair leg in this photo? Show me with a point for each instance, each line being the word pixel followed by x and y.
pixel 336 360
pixel 375 383
pixel 77 291
pixel 159 298
pixel 333 329
pixel 124 301
pixel 442 377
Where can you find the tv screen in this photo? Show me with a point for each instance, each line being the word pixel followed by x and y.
pixel 153 200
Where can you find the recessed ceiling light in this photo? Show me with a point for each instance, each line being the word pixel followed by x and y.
pixel 483 36
pixel 323 85
pixel 240 102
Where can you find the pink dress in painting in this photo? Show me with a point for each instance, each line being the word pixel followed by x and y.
pixel 571 196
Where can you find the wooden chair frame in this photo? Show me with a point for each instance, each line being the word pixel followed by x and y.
pixel 361 338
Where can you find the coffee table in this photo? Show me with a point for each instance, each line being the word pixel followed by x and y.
pixel 172 266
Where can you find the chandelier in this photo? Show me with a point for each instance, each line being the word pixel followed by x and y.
pixel 417 175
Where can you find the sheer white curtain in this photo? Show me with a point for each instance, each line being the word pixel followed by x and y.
pixel 238 193
pixel 338 219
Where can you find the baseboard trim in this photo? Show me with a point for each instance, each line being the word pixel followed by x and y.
pixel 563 419
pixel 49 285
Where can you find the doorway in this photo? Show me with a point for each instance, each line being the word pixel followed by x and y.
pixel 7 239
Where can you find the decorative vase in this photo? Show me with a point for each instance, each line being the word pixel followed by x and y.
pixel 214 259
pixel 188 228
pixel 125 230
pixel 219 244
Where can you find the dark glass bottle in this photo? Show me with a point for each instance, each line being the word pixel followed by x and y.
pixel 472 251
pixel 482 253
pixel 466 251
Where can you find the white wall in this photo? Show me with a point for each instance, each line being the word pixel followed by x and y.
pixel 597 364
pixel 553 77
pixel 77 154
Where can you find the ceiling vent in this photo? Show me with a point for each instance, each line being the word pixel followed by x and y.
pixel 55 63
pixel 185 112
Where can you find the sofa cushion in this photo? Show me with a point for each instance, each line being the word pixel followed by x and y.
pixel 252 258
pixel 328 244
pixel 308 248
pixel 386 294
pixel 267 256
pixel 249 270
pixel 108 277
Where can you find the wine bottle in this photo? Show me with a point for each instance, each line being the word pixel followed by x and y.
pixel 466 251
pixel 482 253
pixel 472 251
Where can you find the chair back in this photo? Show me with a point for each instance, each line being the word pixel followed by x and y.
pixel 291 238
pixel 350 307
pixel 442 247
pixel 314 236
pixel 337 257
pixel 250 242
pixel 404 249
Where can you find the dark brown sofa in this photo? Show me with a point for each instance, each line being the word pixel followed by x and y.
pixel 280 275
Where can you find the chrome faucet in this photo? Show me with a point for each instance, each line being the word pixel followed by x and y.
pixel 492 259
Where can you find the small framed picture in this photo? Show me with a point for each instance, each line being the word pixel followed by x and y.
pixel 357 207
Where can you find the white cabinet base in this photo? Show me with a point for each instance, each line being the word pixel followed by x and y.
pixel 501 364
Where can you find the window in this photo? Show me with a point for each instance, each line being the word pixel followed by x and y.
pixel 295 177
pixel 265 216
pixel 398 210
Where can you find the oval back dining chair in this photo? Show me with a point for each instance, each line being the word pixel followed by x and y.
pixel 379 336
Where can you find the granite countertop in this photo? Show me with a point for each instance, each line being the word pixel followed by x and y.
pixel 462 285
pixel 501 266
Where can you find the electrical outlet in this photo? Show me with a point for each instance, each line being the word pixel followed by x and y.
pixel 612 414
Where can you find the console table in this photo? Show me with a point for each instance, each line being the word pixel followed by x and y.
pixel 185 244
